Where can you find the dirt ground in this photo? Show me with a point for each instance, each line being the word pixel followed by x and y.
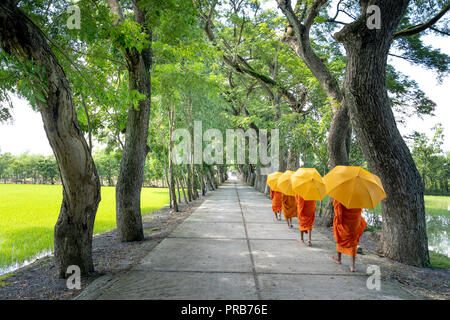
pixel 39 280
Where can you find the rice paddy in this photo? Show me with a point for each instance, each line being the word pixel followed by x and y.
pixel 28 214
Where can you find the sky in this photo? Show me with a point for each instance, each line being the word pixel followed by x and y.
pixel 26 133
pixel 439 93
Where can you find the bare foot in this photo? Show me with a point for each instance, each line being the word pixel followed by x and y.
pixel 336 259
pixel 309 243
pixel 352 269
pixel 301 240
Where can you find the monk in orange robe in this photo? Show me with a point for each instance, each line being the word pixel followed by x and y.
pixel 348 226
pixel 306 214
pixel 289 205
pixel 277 198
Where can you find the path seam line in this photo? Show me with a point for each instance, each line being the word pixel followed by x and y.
pixel 255 276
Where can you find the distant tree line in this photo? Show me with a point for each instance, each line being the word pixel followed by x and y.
pixel 29 168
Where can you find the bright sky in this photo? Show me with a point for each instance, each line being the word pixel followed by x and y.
pixel 439 93
pixel 27 132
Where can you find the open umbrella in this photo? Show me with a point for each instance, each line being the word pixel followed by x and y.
pixel 308 183
pixel 284 183
pixel 272 180
pixel 354 187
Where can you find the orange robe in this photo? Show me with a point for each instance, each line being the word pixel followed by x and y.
pixel 306 213
pixel 289 207
pixel 348 226
pixel 276 197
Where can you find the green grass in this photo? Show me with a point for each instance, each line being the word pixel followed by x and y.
pixel 437 205
pixel 438 260
pixel 28 214
pixel 434 205
pixel 6 276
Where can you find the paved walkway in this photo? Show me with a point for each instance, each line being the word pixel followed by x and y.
pixel 231 247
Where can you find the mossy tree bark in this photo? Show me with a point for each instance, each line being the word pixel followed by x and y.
pixel 20 37
pixel 131 173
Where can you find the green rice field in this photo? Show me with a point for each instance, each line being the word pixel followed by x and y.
pixel 28 214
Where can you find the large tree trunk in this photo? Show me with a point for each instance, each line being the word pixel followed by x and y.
pixel 166 175
pixel 129 182
pixel 201 178
pixel 192 188
pixel 262 182
pixel 171 171
pixel 221 174
pixel 189 184
pixel 177 180
pixel 20 37
pixel 194 183
pixel 208 178
pixel 213 177
pixel 404 235
pixel 182 182
pixel 293 160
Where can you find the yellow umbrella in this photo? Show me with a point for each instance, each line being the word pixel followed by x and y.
pixel 308 183
pixel 272 180
pixel 284 183
pixel 354 187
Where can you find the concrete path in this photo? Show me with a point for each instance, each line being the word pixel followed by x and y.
pixel 231 247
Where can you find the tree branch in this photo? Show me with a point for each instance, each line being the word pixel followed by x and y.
pixel 285 6
pixel 397 56
pixel 302 46
pixel 88 121
pixel 337 10
pixel 116 10
pixel 313 13
pixel 421 27
pixel 440 31
pixel 241 66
